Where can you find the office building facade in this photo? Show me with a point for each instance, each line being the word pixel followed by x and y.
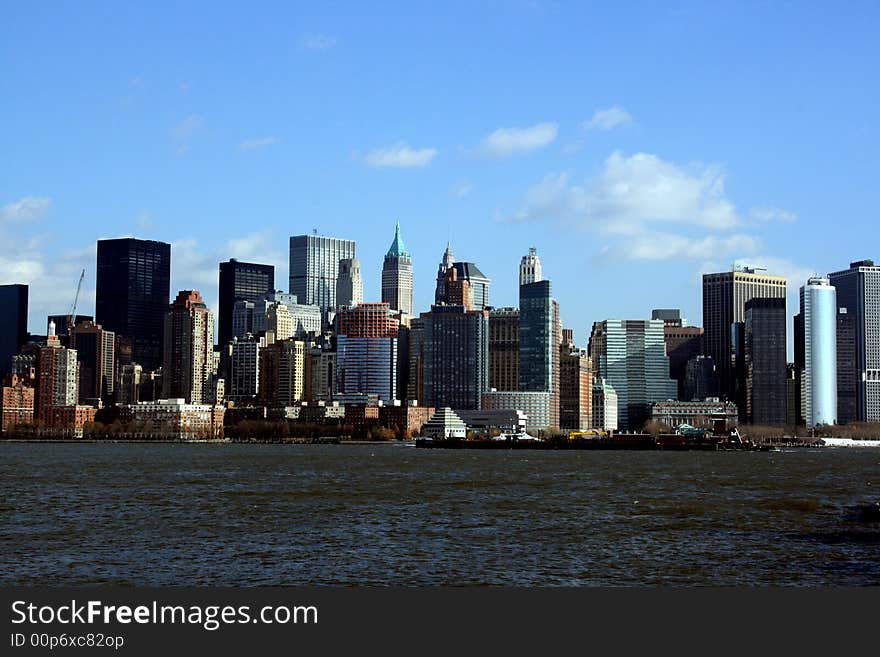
pixel 189 364
pixel 240 281
pixel 13 323
pixel 132 292
pixel 765 361
pixel 314 269
pixel 724 298
pixel 397 276
pixel 631 356
pixel 818 300
pixel 858 290
pixel 349 284
pixel 456 354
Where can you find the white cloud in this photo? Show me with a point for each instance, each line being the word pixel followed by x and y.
pixel 25 209
pixel 317 41
pixel 462 188
pixel 183 132
pixel 607 119
pixel 508 141
pixel 256 144
pixel 669 246
pixel 630 193
pixel 773 214
pixel 400 155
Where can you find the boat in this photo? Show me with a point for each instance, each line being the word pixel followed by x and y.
pixel 515 436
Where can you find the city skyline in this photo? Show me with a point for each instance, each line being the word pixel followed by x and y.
pixel 356 120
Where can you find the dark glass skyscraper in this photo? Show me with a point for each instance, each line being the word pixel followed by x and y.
pixel 536 345
pixel 456 354
pixel 13 323
pixel 858 290
pixel 240 281
pixel 765 361
pixel 132 292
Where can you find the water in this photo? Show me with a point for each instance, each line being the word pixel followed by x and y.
pixel 177 514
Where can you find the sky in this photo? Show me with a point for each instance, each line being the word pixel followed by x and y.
pixel 635 145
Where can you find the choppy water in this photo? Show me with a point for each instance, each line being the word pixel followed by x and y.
pixel 79 514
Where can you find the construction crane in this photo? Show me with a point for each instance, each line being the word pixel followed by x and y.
pixel 71 317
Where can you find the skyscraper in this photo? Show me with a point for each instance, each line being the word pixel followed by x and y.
pixel 858 290
pixel 536 344
pixel 765 361
pixel 631 356
pixel 847 382
pixel 455 352
pixel 366 352
pixel 478 283
pixel 96 350
pixel 240 281
pixel 724 299
pixel 445 264
pixel 133 285
pixel 13 323
pixel 314 268
pixel 350 284
pixel 57 379
pixel 575 389
pixel 530 268
pixel 504 349
pixel 819 311
pixel 189 349
pixel 683 343
pixel 397 276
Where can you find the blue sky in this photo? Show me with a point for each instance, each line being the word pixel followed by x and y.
pixel 635 145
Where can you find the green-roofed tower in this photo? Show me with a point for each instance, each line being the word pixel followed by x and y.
pixel 397 276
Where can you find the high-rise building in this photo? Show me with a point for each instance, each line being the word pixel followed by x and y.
pixel 349 284
pixel 478 283
pixel 283 372
pixel 847 380
pixel 701 379
pixel 96 350
pixel 314 269
pixel 366 352
pixel 240 281
pixel 536 343
pixel 631 356
pixel 253 316
pixel 132 291
pixel 279 324
pixel 683 343
pixel 530 268
pixel 858 290
pixel 13 323
pixel 456 354
pixel 765 361
pixel 57 379
pixel 445 264
pixel 504 349
pixel 16 404
pixel 415 379
pixel 456 290
pixel 539 339
pixel 575 389
pixel 397 276
pixel 188 362
pixel 724 300
pixel 243 383
pixel 819 311
pixel 604 406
